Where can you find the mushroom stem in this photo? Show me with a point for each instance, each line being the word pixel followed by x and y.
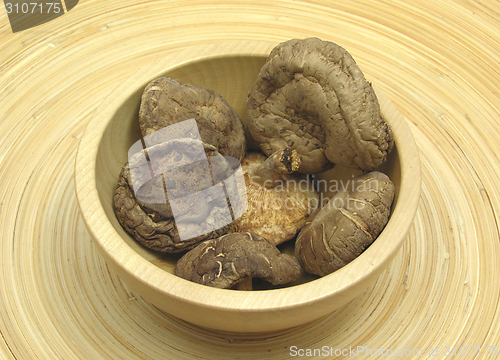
pixel 270 172
pixel 245 284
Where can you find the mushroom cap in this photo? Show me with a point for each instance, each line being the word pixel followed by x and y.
pixel 347 225
pixel 311 96
pixel 225 261
pixel 166 101
pixel 146 210
pixel 276 213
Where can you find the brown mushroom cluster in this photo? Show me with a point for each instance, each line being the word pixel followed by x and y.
pixel 194 188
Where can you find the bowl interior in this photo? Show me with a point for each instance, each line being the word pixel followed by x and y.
pixel 230 76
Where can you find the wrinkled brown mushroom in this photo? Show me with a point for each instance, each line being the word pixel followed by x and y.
pixel 347 225
pixel 278 201
pixel 166 101
pixel 232 258
pixel 144 208
pixel 311 96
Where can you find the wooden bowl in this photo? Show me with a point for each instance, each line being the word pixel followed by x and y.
pixel 230 69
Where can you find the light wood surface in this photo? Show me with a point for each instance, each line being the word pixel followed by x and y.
pixel 436 60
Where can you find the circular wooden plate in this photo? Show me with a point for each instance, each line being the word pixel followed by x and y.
pixel 436 60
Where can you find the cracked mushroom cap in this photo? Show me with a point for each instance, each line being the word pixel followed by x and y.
pixel 146 210
pixel 311 96
pixel 347 225
pixel 166 101
pixel 279 200
pixel 226 261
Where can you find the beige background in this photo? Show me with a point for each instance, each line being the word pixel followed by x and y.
pixel 437 60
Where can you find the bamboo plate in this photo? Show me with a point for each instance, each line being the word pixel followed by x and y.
pixel 436 60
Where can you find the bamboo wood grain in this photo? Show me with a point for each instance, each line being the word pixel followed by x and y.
pixel 436 60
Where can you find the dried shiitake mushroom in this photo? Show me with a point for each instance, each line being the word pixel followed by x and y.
pixel 278 201
pixel 347 225
pixel 193 195
pixel 232 258
pixel 166 101
pixel 311 96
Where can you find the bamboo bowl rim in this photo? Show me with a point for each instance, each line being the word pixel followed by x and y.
pixel 166 284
